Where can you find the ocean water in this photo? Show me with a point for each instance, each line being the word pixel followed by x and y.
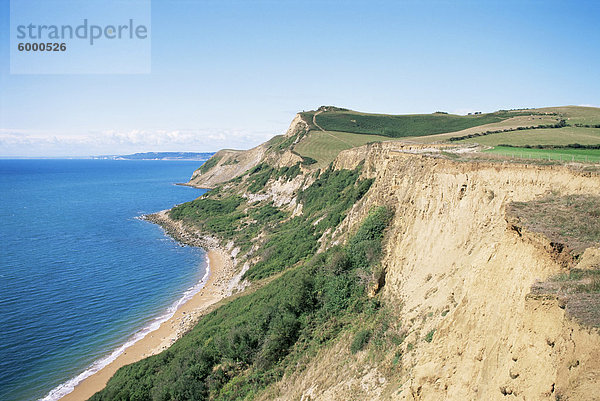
pixel 80 274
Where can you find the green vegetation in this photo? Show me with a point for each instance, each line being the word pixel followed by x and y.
pixel 323 147
pixel 325 203
pixel 572 221
pixel 229 216
pixel 429 336
pixel 260 175
pixel 286 243
pixel 586 280
pixel 548 136
pixel 210 163
pixel 561 154
pixel 238 349
pixel 576 114
pixel 219 216
pixel 360 340
pixel 307 161
pixel 396 126
pixel 569 146
pixel 559 124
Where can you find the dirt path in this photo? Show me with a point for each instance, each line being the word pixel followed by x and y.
pixel 315 120
pixel 331 135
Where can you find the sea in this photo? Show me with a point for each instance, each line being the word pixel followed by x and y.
pixel 81 275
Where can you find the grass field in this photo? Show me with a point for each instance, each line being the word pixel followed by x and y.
pixel 325 146
pixel 576 114
pixel 550 136
pixel 578 155
pixel 345 129
pixel 511 123
pixel 409 125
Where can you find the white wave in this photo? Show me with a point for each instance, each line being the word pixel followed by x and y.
pixel 63 389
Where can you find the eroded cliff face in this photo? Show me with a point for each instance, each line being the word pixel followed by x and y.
pixel 459 277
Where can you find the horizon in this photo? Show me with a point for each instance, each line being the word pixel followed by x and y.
pixel 107 155
pixel 232 74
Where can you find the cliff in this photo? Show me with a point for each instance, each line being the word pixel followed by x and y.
pixel 457 296
pixel 460 277
pixel 227 164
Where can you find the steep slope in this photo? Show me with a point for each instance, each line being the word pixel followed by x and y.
pixel 462 276
pixel 398 272
pixel 227 164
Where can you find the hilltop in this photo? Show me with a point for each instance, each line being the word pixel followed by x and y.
pixel 315 138
pixel 390 257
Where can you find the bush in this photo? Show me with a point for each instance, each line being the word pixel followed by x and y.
pixel 307 161
pixel 360 340
pixel 249 342
pixel 325 203
pixel 210 163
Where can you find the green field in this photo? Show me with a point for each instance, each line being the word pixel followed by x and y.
pixel 576 114
pixel 511 123
pixel 577 155
pixel 409 125
pixel 550 136
pixel 325 146
pixel 344 129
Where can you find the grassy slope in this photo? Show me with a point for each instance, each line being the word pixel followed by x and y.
pixel 345 129
pixel 511 123
pixel 396 126
pixel 557 136
pixel 551 136
pixel 576 114
pixel 250 342
pixel 325 146
pixel 568 155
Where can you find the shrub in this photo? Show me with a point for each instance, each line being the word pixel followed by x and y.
pixel 210 163
pixel 360 340
pixel 242 346
pixel 429 336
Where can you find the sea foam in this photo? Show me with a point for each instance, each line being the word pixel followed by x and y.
pixel 63 389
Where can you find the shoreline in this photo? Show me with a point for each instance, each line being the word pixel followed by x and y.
pixel 220 272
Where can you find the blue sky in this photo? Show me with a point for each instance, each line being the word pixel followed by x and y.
pixel 233 73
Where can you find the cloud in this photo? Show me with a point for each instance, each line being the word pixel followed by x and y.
pixel 30 143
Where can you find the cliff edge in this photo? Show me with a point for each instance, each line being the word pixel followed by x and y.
pixel 393 270
pixel 459 275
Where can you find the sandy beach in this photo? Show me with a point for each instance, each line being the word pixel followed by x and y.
pixel 221 273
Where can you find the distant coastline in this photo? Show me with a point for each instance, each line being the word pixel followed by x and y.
pixel 189 156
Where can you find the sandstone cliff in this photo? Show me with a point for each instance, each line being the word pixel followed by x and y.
pixel 459 277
